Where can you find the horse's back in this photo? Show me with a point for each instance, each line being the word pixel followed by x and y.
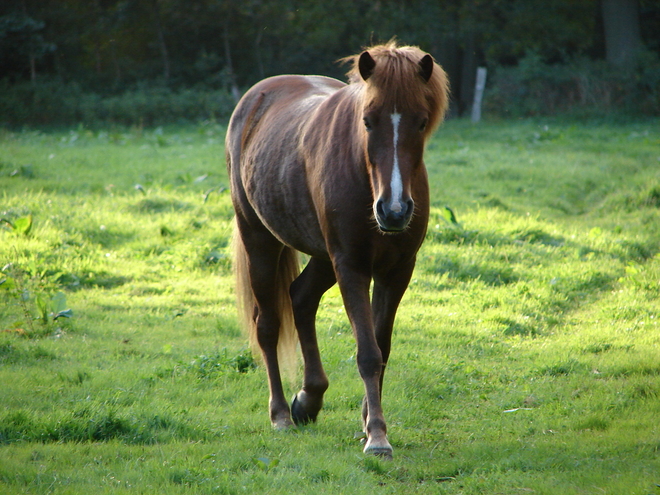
pixel 266 168
pixel 290 94
pixel 274 106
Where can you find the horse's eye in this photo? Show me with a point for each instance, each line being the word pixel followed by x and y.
pixel 367 124
pixel 422 127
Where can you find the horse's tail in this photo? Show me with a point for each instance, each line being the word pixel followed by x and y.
pixel 288 270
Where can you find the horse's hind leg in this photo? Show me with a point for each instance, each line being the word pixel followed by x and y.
pixel 306 291
pixel 263 252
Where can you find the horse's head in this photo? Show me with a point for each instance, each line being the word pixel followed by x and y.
pixel 404 99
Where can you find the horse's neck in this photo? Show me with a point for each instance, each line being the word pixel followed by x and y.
pixel 332 130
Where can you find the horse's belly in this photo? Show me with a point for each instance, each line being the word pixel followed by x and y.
pixel 300 235
pixel 284 206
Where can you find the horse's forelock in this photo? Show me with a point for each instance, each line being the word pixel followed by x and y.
pixel 396 78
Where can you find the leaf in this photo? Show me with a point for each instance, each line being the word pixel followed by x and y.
pixel 67 313
pixel 220 189
pixel 23 225
pixel 7 284
pixel 448 214
pixel 42 306
pixel 518 409
pixel 264 463
pixel 261 463
pixel 359 435
pixel 58 303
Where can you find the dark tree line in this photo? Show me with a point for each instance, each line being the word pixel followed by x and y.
pixel 110 46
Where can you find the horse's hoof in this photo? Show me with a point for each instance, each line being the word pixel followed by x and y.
pixel 282 424
pixel 298 413
pixel 381 449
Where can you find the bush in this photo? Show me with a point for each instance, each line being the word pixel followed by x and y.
pixel 535 87
pixel 59 103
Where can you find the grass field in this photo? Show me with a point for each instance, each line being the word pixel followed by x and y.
pixel 526 355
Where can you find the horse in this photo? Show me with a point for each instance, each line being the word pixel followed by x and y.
pixel 334 170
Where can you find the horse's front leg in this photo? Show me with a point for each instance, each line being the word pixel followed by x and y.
pixel 354 286
pixel 388 290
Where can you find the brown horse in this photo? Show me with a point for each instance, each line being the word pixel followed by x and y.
pixel 335 171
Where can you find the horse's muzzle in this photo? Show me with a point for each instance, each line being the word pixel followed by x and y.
pixel 390 220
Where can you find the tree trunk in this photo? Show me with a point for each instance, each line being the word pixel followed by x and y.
pixel 622 32
pixel 33 69
pixel 97 56
pixel 236 93
pixel 257 51
pixel 449 55
pixel 32 59
pixel 115 63
pixel 164 53
pixel 468 74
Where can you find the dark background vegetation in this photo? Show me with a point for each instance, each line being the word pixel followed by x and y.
pixel 146 62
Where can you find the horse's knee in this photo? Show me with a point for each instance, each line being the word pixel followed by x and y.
pixel 370 362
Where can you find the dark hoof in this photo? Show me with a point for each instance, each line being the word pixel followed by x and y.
pixel 383 454
pixel 381 449
pixel 299 415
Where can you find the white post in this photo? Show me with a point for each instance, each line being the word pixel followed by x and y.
pixel 478 94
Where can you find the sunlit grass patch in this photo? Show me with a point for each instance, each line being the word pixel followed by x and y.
pixel 524 360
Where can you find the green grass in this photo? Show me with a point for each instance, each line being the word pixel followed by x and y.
pixel 526 357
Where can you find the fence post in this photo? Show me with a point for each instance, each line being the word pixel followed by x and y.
pixel 478 94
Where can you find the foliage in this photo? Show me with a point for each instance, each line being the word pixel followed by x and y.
pixel 581 86
pixel 117 61
pixel 21 36
pixel 525 357
pixel 66 103
pixel 35 295
pixel 20 226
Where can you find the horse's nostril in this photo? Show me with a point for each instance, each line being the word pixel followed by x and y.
pixel 410 205
pixel 380 209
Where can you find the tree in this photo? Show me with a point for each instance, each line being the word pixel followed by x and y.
pixel 623 39
pixel 22 44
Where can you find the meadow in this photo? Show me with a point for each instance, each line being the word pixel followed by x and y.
pixel 526 354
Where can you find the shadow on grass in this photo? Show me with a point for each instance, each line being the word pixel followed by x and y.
pixel 95 426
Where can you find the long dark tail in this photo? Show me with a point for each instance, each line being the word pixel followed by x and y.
pixel 288 270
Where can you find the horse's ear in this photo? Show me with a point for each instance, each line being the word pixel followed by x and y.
pixel 426 67
pixel 366 65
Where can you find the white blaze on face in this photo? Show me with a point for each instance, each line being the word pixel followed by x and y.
pixel 396 186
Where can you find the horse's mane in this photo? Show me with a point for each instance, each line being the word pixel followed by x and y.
pixel 396 78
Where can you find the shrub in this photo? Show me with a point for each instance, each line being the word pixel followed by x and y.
pixel 535 87
pixel 59 103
